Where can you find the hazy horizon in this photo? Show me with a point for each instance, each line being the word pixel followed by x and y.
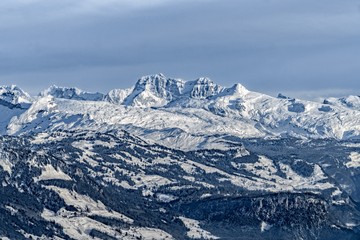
pixel 302 49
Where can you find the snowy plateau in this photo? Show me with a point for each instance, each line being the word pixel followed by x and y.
pixel 174 159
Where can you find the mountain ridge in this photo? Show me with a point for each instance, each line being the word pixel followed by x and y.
pixel 202 87
pixel 204 114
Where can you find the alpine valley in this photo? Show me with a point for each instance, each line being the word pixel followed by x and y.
pixel 174 159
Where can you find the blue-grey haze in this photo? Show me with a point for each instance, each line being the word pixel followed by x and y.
pixel 298 47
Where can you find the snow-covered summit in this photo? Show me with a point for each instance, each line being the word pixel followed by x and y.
pixel 236 90
pixel 72 93
pixel 117 96
pixel 154 90
pixel 352 102
pixel 158 91
pixel 12 96
pixel 203 88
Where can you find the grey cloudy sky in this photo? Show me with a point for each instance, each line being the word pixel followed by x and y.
pixel 298 47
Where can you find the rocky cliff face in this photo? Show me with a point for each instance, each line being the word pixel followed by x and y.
pixel 154 90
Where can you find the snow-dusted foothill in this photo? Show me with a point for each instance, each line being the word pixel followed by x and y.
pixel 83 184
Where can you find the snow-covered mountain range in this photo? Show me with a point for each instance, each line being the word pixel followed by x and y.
pixel 181 114
pixel 174 159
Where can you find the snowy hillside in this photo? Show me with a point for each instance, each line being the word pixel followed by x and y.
pixel 112 185
pixel 352 102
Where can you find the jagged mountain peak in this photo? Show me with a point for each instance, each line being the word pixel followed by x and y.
pixel 13 101
pixel 117 96
pixel 157 90
pixel 9 88
pixel 204 87
pixel 204 80
pixel 154 90
pixel 71 93
pixel 14 95
pixel 148 79
pixel 159 84
pixel 238 89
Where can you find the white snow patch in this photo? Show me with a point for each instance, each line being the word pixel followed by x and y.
pixel 195 231
pixel 189 178
pixel 164 161
pixel 265 226
pixel 78 227
pixel 266 177
pixel 150 181
pixel 6 165
pixel 11 209
pixel 87 205
pixel 351 225
pixel 354 160
pixel 150 233
pixel 105 144
pixel 351 145
pixel 87 155
pixel 335 193
pixel 31 236
pixel 45 137
pixel 188 168
pixel 166 198
pixel 49 172
pixel 206 195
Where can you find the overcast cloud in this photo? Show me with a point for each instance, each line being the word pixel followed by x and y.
pixel 298 47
